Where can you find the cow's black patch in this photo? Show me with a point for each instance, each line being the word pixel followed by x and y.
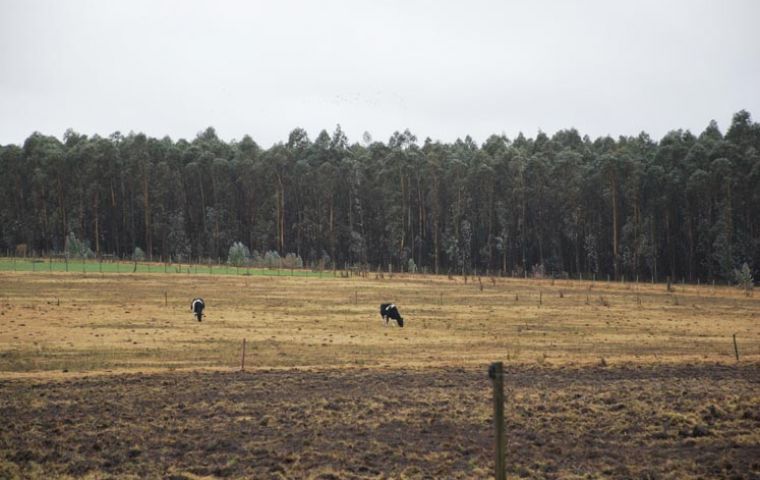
pixel 389 310
pixel 197 307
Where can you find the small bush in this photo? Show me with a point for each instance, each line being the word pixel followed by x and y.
pixel 272 259
pixel 539 271
pixel 744 280
pixel 76 248
pixel 238 255
pixel 411 267
pixel 292 260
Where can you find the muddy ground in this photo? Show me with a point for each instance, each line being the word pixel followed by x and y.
pixel 642 422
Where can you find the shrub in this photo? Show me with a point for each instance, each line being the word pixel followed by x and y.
pixel 272 259
pixel 238 254
pixel 292 260
pixel 411 267
pixel 76 248
pixel 538 270
pixel 744 280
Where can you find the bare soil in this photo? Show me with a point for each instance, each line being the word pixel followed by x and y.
pixel 624 421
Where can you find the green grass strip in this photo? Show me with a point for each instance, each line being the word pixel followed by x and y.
pixel 94 266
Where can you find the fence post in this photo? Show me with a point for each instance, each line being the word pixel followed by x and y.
pixel 496 372
pixel 242 358
pixel 736 348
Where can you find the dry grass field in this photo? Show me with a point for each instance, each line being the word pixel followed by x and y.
pixel 110 376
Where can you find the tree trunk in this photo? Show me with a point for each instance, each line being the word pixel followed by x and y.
pixel 62 207
pixel 146 207
pixel 435 245
pixel 280 214
pixel 615 263
pixel 97 224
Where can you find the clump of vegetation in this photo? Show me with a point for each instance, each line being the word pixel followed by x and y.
pixel 539 271
pixel 744 280
pixel 238 254
pixel 292 260
pixel 271 259
pixel 411 267
pixel 138 255
pixel 76 248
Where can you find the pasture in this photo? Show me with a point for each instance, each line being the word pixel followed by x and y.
pixel 108 375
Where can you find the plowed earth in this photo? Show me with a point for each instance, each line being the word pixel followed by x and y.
pixel 626 421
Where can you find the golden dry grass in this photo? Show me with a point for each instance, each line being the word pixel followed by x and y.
pixel 121 322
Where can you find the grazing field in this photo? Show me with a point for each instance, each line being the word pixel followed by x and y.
pixel 110 376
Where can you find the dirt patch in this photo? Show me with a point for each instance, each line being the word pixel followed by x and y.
pixel 677 421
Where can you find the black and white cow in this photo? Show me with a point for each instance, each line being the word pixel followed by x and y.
pixel 197 307
pixel 388 311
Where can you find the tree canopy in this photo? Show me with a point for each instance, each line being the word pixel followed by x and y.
pixel 687 206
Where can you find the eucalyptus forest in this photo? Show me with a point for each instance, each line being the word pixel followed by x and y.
pixel 685 207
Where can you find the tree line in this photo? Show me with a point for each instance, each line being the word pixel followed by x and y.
pixel 686 206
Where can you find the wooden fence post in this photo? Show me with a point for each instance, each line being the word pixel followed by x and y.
pixel 736 348
pixel 496 372
pixel 242 358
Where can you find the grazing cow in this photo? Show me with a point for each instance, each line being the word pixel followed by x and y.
pixel 197 307
pixel 388 311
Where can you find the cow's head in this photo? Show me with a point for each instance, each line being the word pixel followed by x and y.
pixel 400 321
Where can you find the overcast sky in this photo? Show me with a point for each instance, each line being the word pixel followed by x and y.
pixel 443 69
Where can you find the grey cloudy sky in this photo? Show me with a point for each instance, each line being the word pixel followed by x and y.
pixel 443 69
